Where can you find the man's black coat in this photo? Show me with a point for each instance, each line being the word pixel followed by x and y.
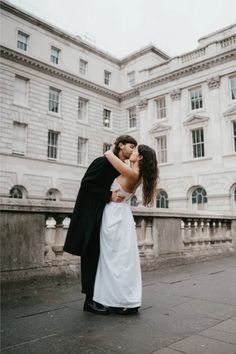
pixel 93 195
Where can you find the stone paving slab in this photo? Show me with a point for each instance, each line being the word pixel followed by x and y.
pixel 187 309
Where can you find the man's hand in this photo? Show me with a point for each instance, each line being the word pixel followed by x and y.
pixel 115 197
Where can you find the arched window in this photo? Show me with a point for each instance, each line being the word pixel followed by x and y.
pixel 18 192
pixel 53 194
pixel 233 197
pixel 162 200
pixel 199 196
pixel 134 201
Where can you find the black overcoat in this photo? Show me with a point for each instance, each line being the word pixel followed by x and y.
pixel 93 195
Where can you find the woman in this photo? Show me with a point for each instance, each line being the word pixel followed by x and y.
pixel 118 282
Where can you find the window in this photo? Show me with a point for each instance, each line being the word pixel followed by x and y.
pixel 106 147
pixel 196 98
pixel 82 151
pixel 21 91
pixel 55 53
pixel 54 96
pixel 16 192
pixel 235 194
pixel 53 194
pixel 234 134
pixel 161 149
pixel 233 87
pixel 161 107
pixel 107 77
pixel 22 41
pixel 162 200
pixel 83 67
pixel 134 201
pixel 106 118
pixel 131 78
pixel 199 196
pixel 132 117
pixel 82 109
pixel 198 143
pixel 53 138
pixel 19 138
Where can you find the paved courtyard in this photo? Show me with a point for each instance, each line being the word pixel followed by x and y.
pixel 186 309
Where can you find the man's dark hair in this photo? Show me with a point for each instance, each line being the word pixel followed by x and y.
pixel 123 139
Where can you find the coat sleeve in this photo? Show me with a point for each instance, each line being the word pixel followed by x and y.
pixel 93 181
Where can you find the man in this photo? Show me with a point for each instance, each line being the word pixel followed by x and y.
pixel 83 234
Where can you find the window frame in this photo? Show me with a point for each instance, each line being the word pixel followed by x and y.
pixel 58 57
pixel 51 88
pixel 27 36
pixel 110 119
pixel 53 146
pixel 131 80
pixel 132 118
pixel 83 70
pixel 84 115
pixel 160 199
pixel 26 94
pixel 196 99
pixel 107 80
pixel 232 89
pixel 198 143
pixel 159 110
pixel 24 142
pixel 82 156
pixel 160 152
pixel 106 147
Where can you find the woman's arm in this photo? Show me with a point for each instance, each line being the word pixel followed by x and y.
pixel 120 166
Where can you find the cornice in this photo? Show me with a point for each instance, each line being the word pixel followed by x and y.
pixel 195 119
pixel 231 112
pixel 187 70
pixel 15 56
pixel 20 58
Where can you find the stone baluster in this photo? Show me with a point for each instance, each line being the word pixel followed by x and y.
pixel 59 239
pixel 149 252
pixel 140 235
pixel 49 239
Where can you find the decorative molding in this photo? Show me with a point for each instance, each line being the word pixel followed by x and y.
pixel 185 71
pixel 175 95
pixel 174 75
pixel 51 70
pixel 195 119
pixel 142 104
pixel 159 127
pixel 213 82
pixel 231 112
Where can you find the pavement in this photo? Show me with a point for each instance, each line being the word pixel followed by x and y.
pixel 186 309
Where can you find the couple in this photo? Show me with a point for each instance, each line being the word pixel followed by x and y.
pixel 102 229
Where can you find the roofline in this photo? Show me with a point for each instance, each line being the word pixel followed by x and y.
pixel 17 11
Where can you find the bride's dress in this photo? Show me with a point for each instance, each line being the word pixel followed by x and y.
pixel 118 280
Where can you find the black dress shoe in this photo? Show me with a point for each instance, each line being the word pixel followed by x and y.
pixel 95 307
pixel 124 310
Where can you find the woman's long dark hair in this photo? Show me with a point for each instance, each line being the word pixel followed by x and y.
pixel 149 173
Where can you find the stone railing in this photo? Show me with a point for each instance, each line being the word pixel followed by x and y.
pixel 193 55
pixel 33 238
pixel 227 42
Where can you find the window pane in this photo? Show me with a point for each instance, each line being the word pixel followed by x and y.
pixel 19 138
pixel 53 104
pixel 53 144
pixel 21 91
pixel 198 143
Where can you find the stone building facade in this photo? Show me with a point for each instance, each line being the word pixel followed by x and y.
pixel 64 101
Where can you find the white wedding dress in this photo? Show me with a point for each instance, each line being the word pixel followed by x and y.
pixel 118 280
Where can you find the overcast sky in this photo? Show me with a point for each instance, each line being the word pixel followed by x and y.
pixel 123 26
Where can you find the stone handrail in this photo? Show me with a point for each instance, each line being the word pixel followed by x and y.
pixel 34 235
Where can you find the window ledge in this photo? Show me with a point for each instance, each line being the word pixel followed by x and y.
pixel 56 115
pixel 132 129
pixel 107 129
pixel 83 122
pixel 21 105
pixel 229 155
pixel 163 164
pixel 198 159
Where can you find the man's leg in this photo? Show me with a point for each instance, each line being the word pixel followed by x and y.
pixel 89 263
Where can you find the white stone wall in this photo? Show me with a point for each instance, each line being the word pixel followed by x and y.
pixel 156 76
